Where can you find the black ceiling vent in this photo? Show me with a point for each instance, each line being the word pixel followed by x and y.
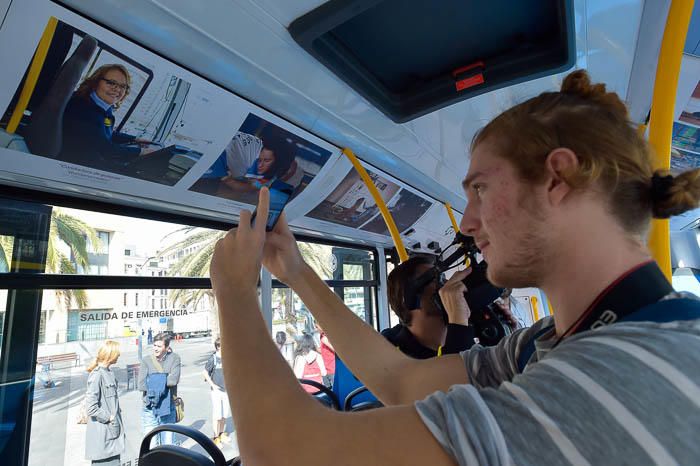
pixel 411 57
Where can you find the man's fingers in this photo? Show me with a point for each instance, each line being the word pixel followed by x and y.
pixel 457 286
pixel 263 209
pixel 460 275
pixel 275 239
pixel 244 221
pixel 282 228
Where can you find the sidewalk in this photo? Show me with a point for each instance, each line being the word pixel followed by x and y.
pixel 59 407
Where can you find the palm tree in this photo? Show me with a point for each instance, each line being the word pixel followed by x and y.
pixel 67 235
pixel 196 264
pixel 6 243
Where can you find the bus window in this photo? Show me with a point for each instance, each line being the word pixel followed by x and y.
pixel 70 343
pixel 6 243
pixel 3 305
pixel 73 324
pixel 152 257
pixel 290 314
pixel 344 269
pixel 393 318
pixel 118 245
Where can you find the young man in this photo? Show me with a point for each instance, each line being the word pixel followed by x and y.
pixel 221 410
pixel 560 194
pixel 158 379
pixel 422 332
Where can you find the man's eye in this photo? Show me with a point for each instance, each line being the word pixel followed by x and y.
pixel 478 189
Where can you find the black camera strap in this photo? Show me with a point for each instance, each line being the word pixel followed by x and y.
pixel 643 285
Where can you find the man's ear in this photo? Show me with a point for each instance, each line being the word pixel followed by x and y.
pixel 560 163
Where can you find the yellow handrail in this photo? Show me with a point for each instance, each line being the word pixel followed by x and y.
pixel 662 113
pixel 452 217
pixel 33 75
pixel 390 224
pixel 455 226
pixel 535 310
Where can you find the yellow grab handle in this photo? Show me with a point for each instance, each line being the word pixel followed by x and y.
pixel 662 113
pixel 388 219
pixel 33 75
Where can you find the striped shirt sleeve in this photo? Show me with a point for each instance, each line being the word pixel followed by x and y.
pixel 491 366
pixel 625 394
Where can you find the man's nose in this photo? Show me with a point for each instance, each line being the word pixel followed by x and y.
pixel 470 220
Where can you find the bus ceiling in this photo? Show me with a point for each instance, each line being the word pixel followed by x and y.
pixel 247 49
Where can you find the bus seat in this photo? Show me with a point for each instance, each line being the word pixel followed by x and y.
pixel 324 395
pixel 44 133
pixel 167 455
pixel 344 383
pixel 351 405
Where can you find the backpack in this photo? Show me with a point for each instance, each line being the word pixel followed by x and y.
pixel 179 409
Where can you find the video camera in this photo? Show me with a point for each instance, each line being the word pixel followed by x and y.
pixel 489 324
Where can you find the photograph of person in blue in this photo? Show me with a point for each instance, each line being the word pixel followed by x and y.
pixel 91 104
pixel 89 138
pixel 262 154
pixel 273 168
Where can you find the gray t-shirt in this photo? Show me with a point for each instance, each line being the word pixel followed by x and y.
pixel 628 393
pixel 216 370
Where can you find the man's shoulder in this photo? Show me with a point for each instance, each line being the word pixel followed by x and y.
pixel 392 332
pixel 540 330
pixel 146 361
pixel 618 346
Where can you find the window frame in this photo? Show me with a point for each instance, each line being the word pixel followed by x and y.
pixel 58 281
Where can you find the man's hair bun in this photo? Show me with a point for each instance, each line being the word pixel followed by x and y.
pixel 579 84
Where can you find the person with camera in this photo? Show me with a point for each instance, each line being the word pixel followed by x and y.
pixel 427 328
pixel 561 191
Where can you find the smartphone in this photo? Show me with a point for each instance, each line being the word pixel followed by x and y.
pixel 280 194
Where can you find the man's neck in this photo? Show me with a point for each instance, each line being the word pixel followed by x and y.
pixel 581 276
pixel 430 331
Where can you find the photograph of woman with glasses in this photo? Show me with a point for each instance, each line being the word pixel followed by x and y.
pixel 89 137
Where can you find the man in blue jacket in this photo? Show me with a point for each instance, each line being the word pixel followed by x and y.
pixel 158 379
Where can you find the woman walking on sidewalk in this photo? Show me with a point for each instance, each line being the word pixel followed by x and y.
pixel 104 439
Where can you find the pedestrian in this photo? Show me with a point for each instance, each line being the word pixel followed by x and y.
pixel 328 355
pixel 308 362
pixel 221 409
pixel 286 349
pixel 158 379
pixel 104 435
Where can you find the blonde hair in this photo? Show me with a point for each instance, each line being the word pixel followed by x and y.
pixel 594 124
pixel 91 82
pixel 108 353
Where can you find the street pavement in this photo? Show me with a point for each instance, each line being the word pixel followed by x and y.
pixel 57 438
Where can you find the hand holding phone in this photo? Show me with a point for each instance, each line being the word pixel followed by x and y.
pixel 279 197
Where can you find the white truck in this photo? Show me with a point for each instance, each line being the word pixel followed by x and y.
pixel 193 324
